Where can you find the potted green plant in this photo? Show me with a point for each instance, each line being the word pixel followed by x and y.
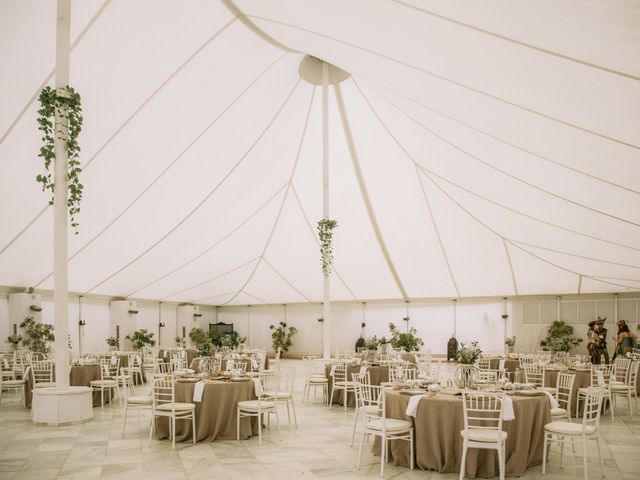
pixel 141 338
pixel 282 336
pixel 113 343
pixel 201 341
pixel 466 372
pixel 408 342
pixel 559 338
pixel 37 336
pixel 233 339
pixel 14 340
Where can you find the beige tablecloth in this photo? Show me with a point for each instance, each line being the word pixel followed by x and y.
pixel 80 376
pixel 510 364
pixel 438 443
pixel 377 374
pixel 215 415
pixel 583 379
pixel 191 354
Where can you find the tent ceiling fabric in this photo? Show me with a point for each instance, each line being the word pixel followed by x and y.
pixel 498 145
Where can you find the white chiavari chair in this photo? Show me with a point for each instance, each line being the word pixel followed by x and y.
pixel 564 391
pixel 387 429
pixel 260 407
pixel 628 389
pixel 315 378
pixel 483 416
pixel 163 404
pixel 564 432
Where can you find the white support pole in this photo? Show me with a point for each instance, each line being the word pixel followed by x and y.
pixel 60 282
pixel 455 319
pixel 249 337
pixel 326 280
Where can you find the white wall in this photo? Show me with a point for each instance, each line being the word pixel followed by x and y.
pixel 6 328
pixel 476 320
pixel 532 317
pixel 434 322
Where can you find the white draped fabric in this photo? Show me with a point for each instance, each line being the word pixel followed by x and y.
pixel 497 148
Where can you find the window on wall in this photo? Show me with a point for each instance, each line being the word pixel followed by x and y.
pixel 569 311
pixel 548 312
pixel 531 313
pixel 586 312
pixel 628 310
pixel 605 309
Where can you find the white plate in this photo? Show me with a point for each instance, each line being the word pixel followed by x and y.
pixel 530 393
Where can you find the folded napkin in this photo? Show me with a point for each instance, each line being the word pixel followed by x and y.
pixel 507 409
pixel 27 373
pixel 198 391
pixel 412 406
pixel 258 386
pixel 165 354
pixel 501 364
pixel 554 403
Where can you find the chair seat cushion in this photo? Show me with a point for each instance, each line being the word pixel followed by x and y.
pixel 104 383
pixel 255 405
pixel 568 428
pixel 318 380
pixel 619 388
pixel 482 435
pixel 139 400
pixel 558 412
pixel 551 390
pixel 343 383
pixel 371 410
pixel 392 425
pixel 12 383
pixel 43 384
pixel 278 395
pixel 177 406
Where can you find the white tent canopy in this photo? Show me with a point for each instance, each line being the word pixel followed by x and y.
pixel 496 155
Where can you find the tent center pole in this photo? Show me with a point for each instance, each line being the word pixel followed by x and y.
pixel 61 127
pixel 326 280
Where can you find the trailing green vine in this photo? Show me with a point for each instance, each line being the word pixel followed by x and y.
pixel 325 232
pixel 66 101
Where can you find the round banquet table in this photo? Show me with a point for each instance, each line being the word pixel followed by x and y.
pixel 191 354
pixel 583 379
pixel 215 414
pixel 438 443
pixel 79 376
pixel 510 365
pixel 378 374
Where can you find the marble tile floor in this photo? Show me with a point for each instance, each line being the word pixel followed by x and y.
pixel 319 448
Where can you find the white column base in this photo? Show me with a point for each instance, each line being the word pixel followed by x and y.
pixel 51 406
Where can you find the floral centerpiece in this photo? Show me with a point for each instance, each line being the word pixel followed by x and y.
pixel 466 372
pixel 510 343
pixel 468 354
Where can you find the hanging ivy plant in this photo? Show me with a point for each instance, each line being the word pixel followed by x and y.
pixel 66 102
pixel 325 232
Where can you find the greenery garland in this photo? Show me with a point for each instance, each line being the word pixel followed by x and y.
pixel 325 232
pixel 65 101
